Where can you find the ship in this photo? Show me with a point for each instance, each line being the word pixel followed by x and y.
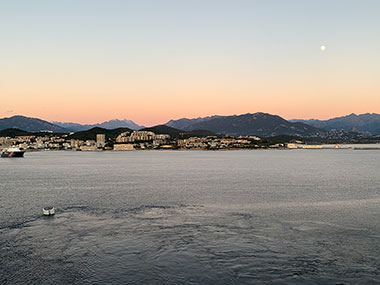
pixel 12 151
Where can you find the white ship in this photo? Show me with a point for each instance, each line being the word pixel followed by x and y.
pixel 12 151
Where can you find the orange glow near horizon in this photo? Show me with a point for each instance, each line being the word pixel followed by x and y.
pixel 157 104
pixel 155 100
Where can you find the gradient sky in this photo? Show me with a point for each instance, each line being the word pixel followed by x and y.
pixel 89 61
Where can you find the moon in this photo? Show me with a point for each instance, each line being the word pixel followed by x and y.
pixel 323 48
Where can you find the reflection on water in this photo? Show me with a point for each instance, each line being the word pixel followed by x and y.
pixel 290 217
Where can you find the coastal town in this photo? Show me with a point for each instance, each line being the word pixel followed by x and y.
pixel 245 131
pixel 134 140
pixel 147 140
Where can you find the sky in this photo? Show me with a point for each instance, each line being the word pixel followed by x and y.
pixel 89 61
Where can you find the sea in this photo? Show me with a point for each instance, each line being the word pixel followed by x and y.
pixel 191 217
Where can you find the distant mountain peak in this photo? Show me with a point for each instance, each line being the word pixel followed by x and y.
pixel 364 123
pixel 111 124
pixel 29 124
pixel 259 124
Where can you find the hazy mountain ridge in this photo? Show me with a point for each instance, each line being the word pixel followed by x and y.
pixel 112 124
pixel 30 124
pixel 184 123
pixel 258 124
pixel 364 123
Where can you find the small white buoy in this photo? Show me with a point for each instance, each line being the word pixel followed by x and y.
pixel 48 211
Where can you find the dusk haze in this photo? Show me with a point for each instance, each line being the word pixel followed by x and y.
pixel 152 61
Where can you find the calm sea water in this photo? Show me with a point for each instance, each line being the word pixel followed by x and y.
pixel 191 217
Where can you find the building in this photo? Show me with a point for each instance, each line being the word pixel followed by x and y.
pixel 5 142
pixel 75 143
pixel 311 146
pixel 161 139
pixel 90 143
pixel 142 136
pixel 100 140
pixel 292 145
pixel 122 147
pixel 88 147
pixel 123 137
pixel 135 136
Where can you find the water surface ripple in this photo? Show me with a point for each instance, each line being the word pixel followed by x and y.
pixel 196 217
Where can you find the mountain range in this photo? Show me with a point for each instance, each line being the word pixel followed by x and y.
pixel 36 125
pixel 363 123
pixel 30 124
pixel 258 124
pixel 265 124
pixel 185 123
pixel 112 124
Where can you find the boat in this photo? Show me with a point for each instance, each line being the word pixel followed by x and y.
pixel 12 151
pixel 48 211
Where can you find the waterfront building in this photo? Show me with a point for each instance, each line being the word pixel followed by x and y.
pixel 75 143
pixel 292 145
pixel 100 140
pixel 312 146
pixel 88 147
pixel 122 147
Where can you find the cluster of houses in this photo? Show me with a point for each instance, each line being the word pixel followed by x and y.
pixel 142 140
pixel 135 140
pixel 127 141
pixel 53 142
pixel 214 142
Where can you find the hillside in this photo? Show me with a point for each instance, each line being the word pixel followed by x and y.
pixel 12 132
pixel 176 133
pixel 91 134
pixel 162 129
pixel 29 124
